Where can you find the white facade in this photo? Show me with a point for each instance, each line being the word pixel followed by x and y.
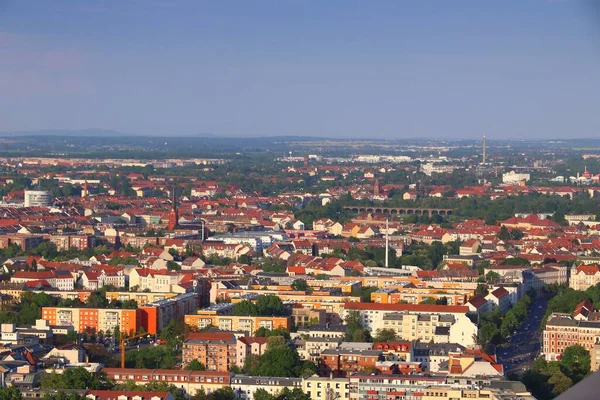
pixel 513 177
pixel 38 198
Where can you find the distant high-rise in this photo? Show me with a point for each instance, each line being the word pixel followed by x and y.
pixel 483 158
pixel 305 162
pixel 376 188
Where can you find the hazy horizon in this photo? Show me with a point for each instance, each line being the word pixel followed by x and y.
pixel 338 69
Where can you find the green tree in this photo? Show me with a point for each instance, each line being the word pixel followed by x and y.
pixel 294 394
pixel 63 396
pixel 356 331
pixel 300 285
pixel 481 290
pixel 172 332
pixel 492 276
pixel 560 383
pixel 509 323
pixel 264 332
pixel 436 253
pixel 576 360
pixel 262 394
pixel 11 393
pixel 270 305
pixel 74 378
pixel 385 335
pixel 224 393
pixel 244 308
pixel 46 249
pixel 173 266
pixel 195 365
pixel 96 300
pixel 504 234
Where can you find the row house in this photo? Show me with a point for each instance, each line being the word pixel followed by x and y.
pixel 248 345
pixel 244 387
pixel 61 280
pixel 343 362
pixel 327 225
pixel 310 348
pixel 97 278
pixel 192 382
pixel 127 395
pixel 225 250
pixel 431 387
pixel 499 298
pixel 157 280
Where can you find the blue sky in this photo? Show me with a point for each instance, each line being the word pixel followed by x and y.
pixel 335 68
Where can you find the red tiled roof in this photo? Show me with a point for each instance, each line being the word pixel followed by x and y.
pixel 500 292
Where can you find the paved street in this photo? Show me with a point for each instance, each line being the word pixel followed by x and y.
pixel 525 343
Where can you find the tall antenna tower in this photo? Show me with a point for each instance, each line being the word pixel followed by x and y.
pixel 484 155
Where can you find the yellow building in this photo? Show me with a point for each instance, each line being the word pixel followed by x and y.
pixel 237 323
pixel 330 303
pixel 326 388
pixel 142 298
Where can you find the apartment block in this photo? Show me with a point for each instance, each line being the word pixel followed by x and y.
pixel 93 319
pixel 373 314
pixel 443 328
pixel 237 323
pixel 562 331
pixel 216 350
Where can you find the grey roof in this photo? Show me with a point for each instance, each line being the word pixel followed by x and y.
pixel 515 386
pixel 587 389
pixel 425 349
pixel 324 328
pixel 442 330
pixel 265 380
pixel 366 353
pixel 568 321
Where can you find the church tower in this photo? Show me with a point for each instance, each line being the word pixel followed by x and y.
pixel 173 216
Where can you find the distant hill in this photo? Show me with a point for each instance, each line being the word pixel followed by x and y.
pixel 69 132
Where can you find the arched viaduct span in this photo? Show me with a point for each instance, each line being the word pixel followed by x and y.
pixel 400 210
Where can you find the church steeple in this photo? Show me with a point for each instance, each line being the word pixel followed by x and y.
pixel 173 215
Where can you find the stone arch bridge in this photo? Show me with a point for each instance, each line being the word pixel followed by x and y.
pixel 399 210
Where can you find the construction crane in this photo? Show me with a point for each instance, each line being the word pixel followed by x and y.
pixel 123 340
